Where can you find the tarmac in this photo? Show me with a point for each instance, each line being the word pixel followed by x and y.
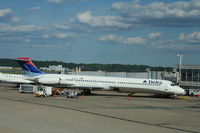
pixel 104 112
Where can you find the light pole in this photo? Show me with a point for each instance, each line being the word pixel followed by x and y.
pixel 149 72
pixel 180 63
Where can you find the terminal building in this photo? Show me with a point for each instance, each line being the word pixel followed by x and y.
pixel 53 68
pixel 190 78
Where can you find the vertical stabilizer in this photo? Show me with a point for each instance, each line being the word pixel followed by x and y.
pixel 28 66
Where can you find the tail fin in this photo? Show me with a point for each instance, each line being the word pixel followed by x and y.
pixel 28 66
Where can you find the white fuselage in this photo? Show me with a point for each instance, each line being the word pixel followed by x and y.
pixel 109 83
pixel 14 78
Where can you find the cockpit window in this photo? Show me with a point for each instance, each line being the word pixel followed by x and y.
pixel 173 84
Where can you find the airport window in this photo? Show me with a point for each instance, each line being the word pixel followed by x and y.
pixel 189 78
pixel 192 75
pixel 184 76
pixel 198 75
pixel 195 76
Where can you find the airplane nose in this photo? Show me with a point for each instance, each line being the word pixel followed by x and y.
pixel 182 91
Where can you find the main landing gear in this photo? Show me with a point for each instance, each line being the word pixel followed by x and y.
pixel 174 96
pixel 86 92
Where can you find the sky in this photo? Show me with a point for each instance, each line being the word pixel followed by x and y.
pixel 146 32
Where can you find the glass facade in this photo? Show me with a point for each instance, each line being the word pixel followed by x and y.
pixel 190 75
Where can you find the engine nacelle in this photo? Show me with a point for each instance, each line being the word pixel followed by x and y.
pixel 48 80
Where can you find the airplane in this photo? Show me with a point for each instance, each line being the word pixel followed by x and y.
pixel 14 78
pixel 88 83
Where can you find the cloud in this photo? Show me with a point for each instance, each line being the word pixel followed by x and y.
pixel 65 35
pixel 130 15
pixel 135 40
pixel 5 12
pixel 161 14
pixel 46 36
pixel 101 21
pixel 154 35
pixel 62 26
pixel 68 35
pixel 15 19
pixel 42 45
pixel 7 15
pixel 27 40
pixel 57 46
pixel 193 38
pixel 123 6
pixel 20 28
pixel 155 44
pixel 177 47
pixel 118 39
pixel 55 1
pixel 34 8
pixel 85 17
pixel 111 38
pixel 61 1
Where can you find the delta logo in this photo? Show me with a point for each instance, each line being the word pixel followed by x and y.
pixel 151 82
